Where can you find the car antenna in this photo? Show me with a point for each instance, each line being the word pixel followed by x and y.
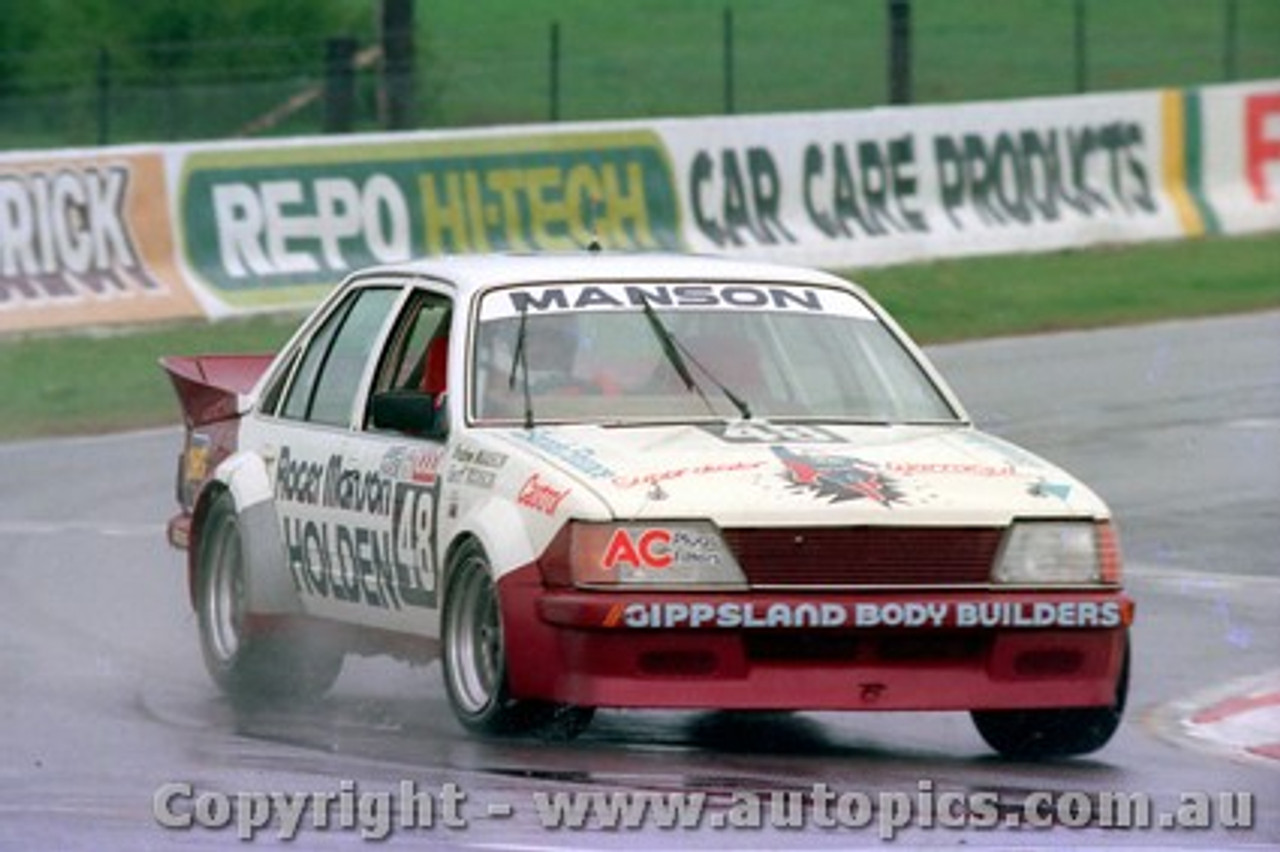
pixel 593 241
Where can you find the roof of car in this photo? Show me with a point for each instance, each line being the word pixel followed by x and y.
pixel 474 272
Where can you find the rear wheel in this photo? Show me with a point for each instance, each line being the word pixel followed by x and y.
pixel 1054 733
pixel 475 660
pixel 249 665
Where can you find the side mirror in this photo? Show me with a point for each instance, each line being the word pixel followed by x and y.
pixel 412 412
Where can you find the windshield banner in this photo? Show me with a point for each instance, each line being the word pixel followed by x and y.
pixel 567 298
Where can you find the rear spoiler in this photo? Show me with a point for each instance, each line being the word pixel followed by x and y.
pixel 209 386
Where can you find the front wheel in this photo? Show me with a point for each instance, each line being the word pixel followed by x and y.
pixel 246 664
pixel 1054 733
pixel 475 660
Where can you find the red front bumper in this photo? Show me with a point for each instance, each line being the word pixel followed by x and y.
pixel 743 650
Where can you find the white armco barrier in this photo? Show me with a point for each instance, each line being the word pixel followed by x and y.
pixel 152 232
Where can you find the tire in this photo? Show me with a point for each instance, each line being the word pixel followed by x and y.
pixel 475 661
pixel 1034 734
pixel 250 666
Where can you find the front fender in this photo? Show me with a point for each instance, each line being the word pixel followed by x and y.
pixel 498 526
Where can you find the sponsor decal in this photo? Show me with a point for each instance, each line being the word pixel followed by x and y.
pixel 837 478
pixel 541 497
pixel 633 480
pixel 676 614
pixel 467 454
pixel 949 469
pixel 764 432
pixel 578 457
pixel 332 484
pixel 476 477
pixel 650 549
pixel 294 217
pixel 475 467
pixel 657 548
pixel 564 298
pixel 1012 453
pixel 412 464
pixel 866 616
pixel 375 543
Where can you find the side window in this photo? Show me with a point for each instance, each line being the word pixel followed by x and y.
pixel 419 359
pixel 328 378
pixel 416 358
pixel 298 402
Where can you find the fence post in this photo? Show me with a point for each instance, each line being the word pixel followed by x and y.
pixel 899 13
pixel 339 84
pixel 1081 47
pixel 103 77
pixel 728 61
pixel 554 82
pixel 398 62
pixel 1230 36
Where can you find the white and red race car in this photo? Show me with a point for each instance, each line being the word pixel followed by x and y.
pixel 656 481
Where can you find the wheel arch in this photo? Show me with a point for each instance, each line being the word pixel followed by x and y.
pixel 199 515
pixel 243 479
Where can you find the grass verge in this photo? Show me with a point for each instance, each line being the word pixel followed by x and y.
pixel 106 381
pixel 1120 285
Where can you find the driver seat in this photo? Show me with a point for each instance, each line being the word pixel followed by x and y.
pixel 435 365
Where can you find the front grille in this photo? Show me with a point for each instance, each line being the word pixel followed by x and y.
pixel 866 556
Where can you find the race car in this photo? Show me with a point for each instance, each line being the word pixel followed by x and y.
pixel 594 480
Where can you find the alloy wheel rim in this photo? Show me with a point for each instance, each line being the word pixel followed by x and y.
pixel 476 642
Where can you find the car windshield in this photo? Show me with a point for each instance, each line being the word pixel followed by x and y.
pixel 625 353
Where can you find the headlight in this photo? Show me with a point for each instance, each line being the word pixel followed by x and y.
pixel 678 553
pixel 1058 552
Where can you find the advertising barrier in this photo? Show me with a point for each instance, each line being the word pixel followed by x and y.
pixel 133 234
pixel 1240 154
pixel 279 224
pixel 86 239
pixel 892 185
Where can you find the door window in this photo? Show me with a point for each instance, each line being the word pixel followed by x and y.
pixel 337 356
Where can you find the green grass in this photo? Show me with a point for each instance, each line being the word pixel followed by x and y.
pixel 485 62
pixel 108 381
pixel 1024 294
pixel 78 383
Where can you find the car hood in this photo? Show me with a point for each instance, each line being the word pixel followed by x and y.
pixel 754 473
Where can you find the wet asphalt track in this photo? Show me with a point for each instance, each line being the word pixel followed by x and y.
pixel 103 699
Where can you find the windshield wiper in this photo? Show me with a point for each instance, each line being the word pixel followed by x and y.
pixel 676 354
pixel 520 358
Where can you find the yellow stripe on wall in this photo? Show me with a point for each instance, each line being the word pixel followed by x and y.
pixel 1174 115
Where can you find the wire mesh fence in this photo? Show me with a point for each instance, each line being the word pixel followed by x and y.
pixel 490 62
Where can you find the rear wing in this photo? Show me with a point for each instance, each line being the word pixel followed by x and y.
pixel 209 386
